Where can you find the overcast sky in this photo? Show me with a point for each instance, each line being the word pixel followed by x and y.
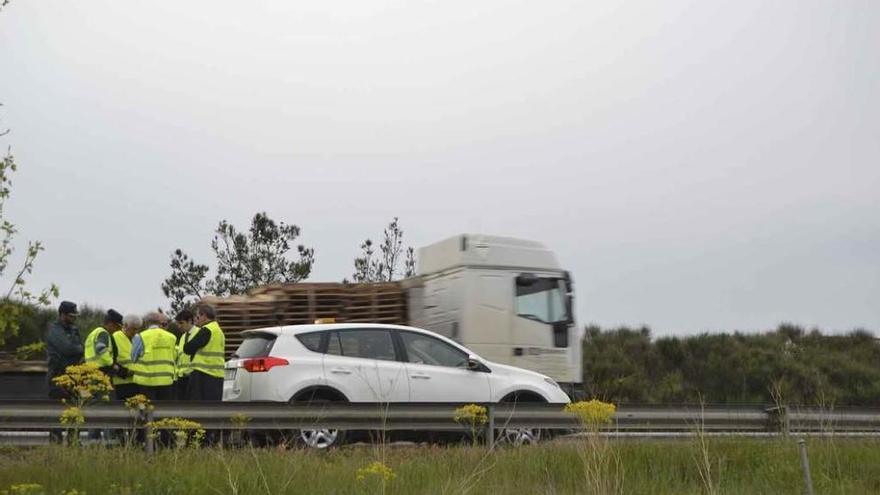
pixel 696 165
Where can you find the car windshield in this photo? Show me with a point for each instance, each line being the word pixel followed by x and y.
pixel 541 299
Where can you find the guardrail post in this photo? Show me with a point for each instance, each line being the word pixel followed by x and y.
pixel 805 465
pixel 490 426
pixel 148 433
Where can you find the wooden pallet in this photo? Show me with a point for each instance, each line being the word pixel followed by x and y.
pixel 297 304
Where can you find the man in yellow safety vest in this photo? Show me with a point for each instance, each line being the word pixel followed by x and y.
pixel 206 350
pixel 121 340
pixel 186 331
pixel 98 350
pixel 98 347
pixel 154 354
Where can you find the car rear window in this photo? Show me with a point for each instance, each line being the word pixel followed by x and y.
pixel 256 345
pixel 312 341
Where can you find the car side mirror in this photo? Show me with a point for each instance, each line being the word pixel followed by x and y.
pixel 475 364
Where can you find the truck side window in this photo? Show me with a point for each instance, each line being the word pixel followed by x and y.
pixel 422 349
pixel 541 299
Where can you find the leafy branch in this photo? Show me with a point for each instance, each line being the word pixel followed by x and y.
pixel 245 260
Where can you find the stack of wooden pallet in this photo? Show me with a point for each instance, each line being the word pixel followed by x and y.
pixel 296 304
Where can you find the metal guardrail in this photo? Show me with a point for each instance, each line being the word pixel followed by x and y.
pixel 22 415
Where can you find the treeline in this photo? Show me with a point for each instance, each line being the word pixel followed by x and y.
pixel 787 365
pixel 35 320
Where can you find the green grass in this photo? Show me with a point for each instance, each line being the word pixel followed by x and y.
pixel 740 466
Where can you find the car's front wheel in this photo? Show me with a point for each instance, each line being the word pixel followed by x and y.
pixel 517 437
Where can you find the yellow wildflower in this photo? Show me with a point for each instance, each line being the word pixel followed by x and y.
pixel 138 403
pixel 471 414
pixel 378 470
pixel 592 412
pixel 84 382
pixel 72 416
pixel 183 430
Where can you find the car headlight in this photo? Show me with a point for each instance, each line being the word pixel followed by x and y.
pixel 552 382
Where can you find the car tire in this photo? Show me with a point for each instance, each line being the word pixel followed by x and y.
pixel 518 437
pixel 319 438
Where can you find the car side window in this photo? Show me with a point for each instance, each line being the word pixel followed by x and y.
pixel 333 345
pixel 312 341
pixel 422 349
pixel 366 343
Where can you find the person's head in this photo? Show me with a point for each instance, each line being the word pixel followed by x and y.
pixel 67 313
pixel 184 320
pixel 205 314
pixel 131 325
pixel 153 318
pixel 112 320
pixel 163 320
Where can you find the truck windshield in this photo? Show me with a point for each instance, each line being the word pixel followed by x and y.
pixel 541 299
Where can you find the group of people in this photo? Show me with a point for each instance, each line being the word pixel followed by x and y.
pixel 141 356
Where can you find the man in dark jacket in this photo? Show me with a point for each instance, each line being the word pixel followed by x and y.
pixel 63 346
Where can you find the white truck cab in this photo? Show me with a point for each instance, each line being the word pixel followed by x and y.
pixel 507 299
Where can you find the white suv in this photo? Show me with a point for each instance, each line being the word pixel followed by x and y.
pixel 373 363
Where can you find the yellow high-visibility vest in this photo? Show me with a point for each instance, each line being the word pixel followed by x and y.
pixel 123 356
pixel 103 359
pixel 210 358
pixel 184 362
pixel 156 367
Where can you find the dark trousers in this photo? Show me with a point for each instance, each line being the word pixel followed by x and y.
pixel 125 390
pixel 165 392
pixel 55 435
pixel 204 387
pixel 181 388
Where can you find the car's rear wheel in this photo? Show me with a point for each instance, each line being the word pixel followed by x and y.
pixel 322 438
pixel 318 438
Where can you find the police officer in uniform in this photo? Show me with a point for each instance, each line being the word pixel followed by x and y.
pixel 63 348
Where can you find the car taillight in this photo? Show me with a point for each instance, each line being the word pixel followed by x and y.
pixel 259 365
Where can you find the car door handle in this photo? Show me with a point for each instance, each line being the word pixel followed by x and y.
pixel 341 371
pixel 421 377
